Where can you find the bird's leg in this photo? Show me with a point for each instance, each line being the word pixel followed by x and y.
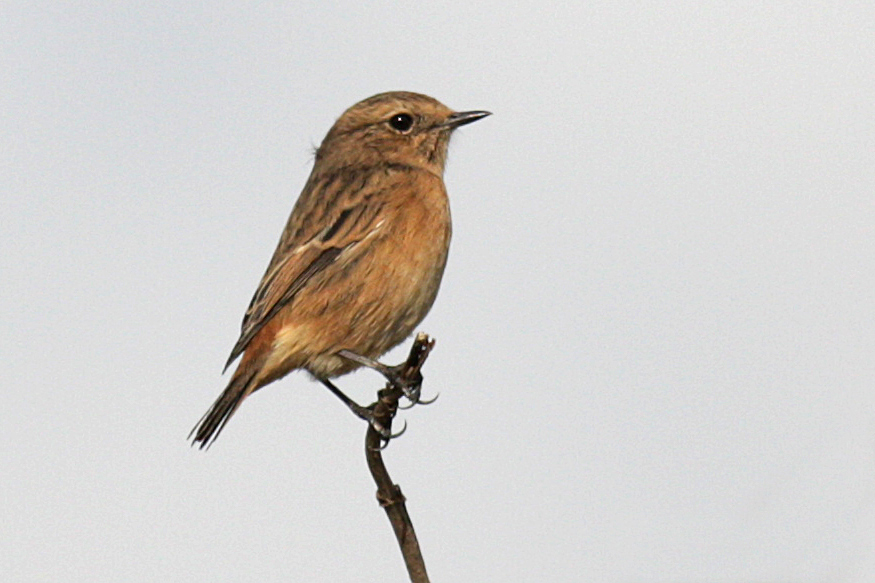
pixel 365 413
pixel 411 387
pixel 381 368
pixel 362 412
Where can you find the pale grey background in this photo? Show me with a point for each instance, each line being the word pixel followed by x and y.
pixel 655 334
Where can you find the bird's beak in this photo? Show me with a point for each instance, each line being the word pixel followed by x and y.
pixel 461 118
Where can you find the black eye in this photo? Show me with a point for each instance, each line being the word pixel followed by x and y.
pixel 401 122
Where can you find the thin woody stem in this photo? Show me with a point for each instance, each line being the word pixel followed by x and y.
pixel 388 493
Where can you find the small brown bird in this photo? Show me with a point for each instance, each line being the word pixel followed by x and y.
pixel 359 263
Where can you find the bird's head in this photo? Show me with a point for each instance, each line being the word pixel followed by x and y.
pixel 398 127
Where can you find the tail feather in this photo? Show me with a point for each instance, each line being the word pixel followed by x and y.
pixel 211 424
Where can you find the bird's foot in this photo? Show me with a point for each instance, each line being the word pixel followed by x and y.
pixel 398 376
pixel 366 413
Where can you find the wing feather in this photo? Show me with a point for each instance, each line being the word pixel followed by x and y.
pixel 320 228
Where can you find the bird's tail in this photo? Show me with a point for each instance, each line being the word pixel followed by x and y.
pixel 244 381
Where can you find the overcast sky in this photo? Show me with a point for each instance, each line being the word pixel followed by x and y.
pixel 656 331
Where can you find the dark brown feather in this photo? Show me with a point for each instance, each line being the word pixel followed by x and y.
pixel 211 424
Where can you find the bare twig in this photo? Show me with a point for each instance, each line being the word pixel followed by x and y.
pixel 389 494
